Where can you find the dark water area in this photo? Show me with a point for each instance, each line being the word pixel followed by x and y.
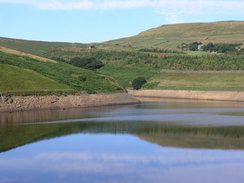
pixel 166 141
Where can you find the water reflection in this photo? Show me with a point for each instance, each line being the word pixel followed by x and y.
pixel 151 142
pixel 199 127
pixel 122 158
pixel 50 115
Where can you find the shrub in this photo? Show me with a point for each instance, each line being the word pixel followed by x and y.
pixel 194 46
pixel 138 82
pixel 87 63
pixel 221 47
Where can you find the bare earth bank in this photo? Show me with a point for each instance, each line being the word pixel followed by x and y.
pixel 24 103
pixel 195 95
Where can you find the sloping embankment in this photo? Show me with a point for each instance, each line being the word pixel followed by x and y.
pixel 23 103
pixel 196 95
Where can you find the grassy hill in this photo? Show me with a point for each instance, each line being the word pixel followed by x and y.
pixel 15 79
pixel 165 36
pixel 144 55
pixel 171 36
pixel 125 73
pixel 126 65
pixel 56 75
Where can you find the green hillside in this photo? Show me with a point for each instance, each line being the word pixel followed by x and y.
pixel 50 74
pixel 15 79
pixel 124 66
pixel 144 55
pixel 125 73
pixel 165 36
pixel 171 36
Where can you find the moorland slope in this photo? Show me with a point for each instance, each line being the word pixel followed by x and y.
pixel 172 36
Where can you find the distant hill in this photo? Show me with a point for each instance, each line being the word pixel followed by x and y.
pixel 165 36
pixel 171 36
pixel 35 47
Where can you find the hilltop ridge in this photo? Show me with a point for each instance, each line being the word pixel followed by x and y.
pixel 173 35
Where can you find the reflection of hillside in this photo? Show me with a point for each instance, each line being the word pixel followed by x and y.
pixel 190 137
pixel 51 115
pixel 184 140
pixel 17 135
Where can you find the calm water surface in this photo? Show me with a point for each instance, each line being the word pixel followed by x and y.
pixel 167 141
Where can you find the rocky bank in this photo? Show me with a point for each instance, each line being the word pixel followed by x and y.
pixel 24 103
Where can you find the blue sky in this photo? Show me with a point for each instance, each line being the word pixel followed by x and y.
pixel 101 20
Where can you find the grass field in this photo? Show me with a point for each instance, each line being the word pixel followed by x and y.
pixel 15 79
pixel 198 81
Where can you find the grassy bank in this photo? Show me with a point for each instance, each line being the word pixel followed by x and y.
pixel 15 79
pixel 197 81
pixel 65 74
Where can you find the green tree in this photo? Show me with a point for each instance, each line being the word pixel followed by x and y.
pixel 193 46
pixel 138 82
pixel 87 63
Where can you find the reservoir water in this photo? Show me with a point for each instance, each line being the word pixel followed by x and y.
pixel 163 141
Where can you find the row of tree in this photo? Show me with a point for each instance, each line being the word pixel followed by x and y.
pixel 221 47
pixel 213 47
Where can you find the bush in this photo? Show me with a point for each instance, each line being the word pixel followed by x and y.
pixel 221 47
pixel 194 46
pixel 87 63
pixel 138 82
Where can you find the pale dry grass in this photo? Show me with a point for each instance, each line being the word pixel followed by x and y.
pixel 15 52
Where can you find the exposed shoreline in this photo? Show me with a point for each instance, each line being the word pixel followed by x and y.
pixel 234 96
pixel 51 102
pixel 28 103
